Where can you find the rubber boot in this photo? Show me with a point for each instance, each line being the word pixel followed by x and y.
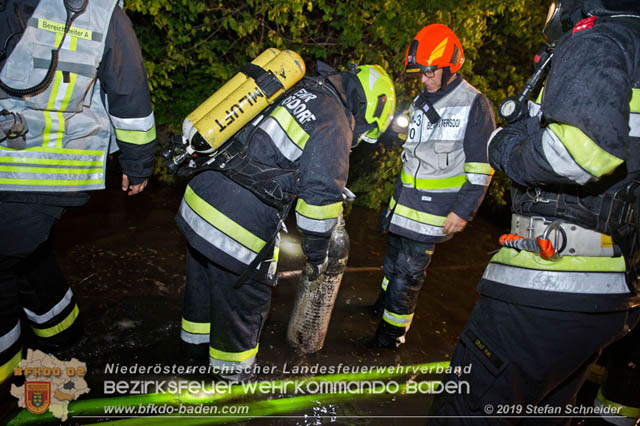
pixel 387 336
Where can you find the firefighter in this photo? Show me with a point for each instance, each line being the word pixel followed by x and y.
pixel 72 75
pixel 303 144
pixel 444 177
pixel 574 165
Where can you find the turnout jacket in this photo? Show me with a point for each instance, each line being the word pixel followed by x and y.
pixel 574 162
pixel 99 95
pixel 445 165
pixel 309 133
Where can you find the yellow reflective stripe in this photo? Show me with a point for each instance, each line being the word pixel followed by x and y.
pixel 634 105
pixel 50 182
pixel 484 168
pixel 47 128
pixel 441 183
pixel 276 253
pixel 48 170
pixel 73 43
pixel 385 283
pixel 46 137
pixel 60 131
pixel 47 150
pixel 539 98
pixel 6 369
pixel 526 259
pixel 584 151
pixel 67 96
pixel 233 356
pixel 137 137
pixel 621 410
pixel 329 211
pixel 397 319
pixel 60 327
pixel 196 327
pixel 54 90
pixel 422 217
pixel 58 39
pixel 222 222
pixel 291 127
pixel 48 161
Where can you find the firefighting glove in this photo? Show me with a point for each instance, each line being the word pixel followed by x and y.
pixel 316 249
pixel 503 140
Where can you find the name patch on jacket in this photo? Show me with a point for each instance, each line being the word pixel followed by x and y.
pixel 451 125
pixel 297 105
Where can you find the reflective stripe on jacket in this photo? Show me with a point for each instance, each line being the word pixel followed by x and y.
pixel 69 128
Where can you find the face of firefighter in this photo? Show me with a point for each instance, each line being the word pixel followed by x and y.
pixel 432 81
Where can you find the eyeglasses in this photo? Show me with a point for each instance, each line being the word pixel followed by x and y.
pixel 429 73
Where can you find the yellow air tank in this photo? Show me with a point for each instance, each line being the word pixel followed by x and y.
pixel 243 97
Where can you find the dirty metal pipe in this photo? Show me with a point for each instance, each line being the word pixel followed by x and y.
pixel 315 299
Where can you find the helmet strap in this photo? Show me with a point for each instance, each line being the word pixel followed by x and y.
pixel 446 75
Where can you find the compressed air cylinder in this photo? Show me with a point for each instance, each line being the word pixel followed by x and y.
pixel 315 299
pixel 240 99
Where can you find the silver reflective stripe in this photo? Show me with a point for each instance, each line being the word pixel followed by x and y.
pixel 23 156
pixel 315 225
pixel 10 338
pixel 478 179
pixel 41 176
pixel 81 69
pixel 280 139
pixel 396 319
pixel 214 236
pixel 231 369
pixel 412 225
pixel 193 338
pixel 140 124
pixel 634 125
pixel 560 160
pixel 558 281
pixel 59 307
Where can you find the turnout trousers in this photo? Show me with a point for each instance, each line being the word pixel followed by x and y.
pixel 404 268
pixel 219 321
pixel 523 361
pixel 33 291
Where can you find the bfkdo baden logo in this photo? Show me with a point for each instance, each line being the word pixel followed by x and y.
pixel 49 384
pixel 37 396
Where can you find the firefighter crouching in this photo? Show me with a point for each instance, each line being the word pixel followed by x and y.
pixel 54 148
pixel 543 317
pixel 300 148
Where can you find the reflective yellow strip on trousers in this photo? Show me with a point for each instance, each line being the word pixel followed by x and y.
pixel 60 327
pixel 196 327
pixel 233 356
pixel 422 217
pixel 6 369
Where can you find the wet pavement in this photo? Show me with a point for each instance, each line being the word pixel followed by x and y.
pixel 125 261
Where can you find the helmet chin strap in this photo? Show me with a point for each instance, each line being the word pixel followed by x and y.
pixel 446 75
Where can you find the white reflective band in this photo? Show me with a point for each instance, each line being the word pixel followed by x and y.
pixel 193 338
pixel 558 281
pixel 398 320
pixel 478 179
pixel 280 139
pixel 634 125
pixel 10 338
pixel 412 225
pixel 59 307
pixel 34 153
pixel 139 124
pixel 229 367
pixel 560 160
pixel 315 225
pixel 214 236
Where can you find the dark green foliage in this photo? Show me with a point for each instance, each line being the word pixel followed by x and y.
pixel 191 47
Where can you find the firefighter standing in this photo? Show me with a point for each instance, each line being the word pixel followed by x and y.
pixel 304 142
pixel 540 322
pixel 62 99
pixel 444 177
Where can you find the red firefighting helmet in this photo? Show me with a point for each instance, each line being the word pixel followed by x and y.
pixel 435 46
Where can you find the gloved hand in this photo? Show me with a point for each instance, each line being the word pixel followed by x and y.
pixel 313 271
pixel 503 140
